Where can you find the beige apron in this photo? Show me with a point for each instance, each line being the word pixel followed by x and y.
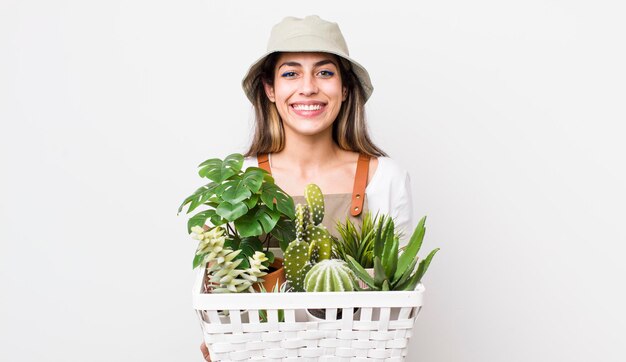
pixel 338 207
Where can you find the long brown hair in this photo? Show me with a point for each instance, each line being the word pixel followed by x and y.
pixel 349 129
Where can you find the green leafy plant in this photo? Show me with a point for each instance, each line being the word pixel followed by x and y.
pixel 247 205
pixel 358 243
pixel 394 270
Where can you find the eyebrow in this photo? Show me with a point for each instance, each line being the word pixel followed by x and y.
pixel 318 64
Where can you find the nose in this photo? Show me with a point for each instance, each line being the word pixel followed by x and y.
pixel 308 86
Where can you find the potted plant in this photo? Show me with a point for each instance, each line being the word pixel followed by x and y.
pixel 330 275
pixel 394 269
pixel 240 211
pixel 312 243
pixel 359 242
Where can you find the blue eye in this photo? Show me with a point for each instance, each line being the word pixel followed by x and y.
pixel 326 73
pixel 288 74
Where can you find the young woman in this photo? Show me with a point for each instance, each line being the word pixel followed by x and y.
pixel 309 98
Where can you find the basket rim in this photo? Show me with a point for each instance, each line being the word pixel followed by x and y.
pixel 366 299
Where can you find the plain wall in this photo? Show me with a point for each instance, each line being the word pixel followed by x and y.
pixel 508 115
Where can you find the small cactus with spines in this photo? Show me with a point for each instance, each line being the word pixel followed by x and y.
pixel 296 261
pixel 313 241
pixel 331 275
pixel 318 237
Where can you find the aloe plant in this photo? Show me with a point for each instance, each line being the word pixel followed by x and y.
pixel 358 243
pixel 394 270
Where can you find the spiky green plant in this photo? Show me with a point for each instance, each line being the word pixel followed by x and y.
pixel 394 271
pixel 330 275
pixel 281 312
pixel 358 243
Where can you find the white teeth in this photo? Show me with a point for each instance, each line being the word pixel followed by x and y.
pixel 307 107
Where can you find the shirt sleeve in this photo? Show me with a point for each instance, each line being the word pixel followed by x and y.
pixel 402 210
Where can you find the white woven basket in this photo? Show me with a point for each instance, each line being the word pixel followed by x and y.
pixel 379 330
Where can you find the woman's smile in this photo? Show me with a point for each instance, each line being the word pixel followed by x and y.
pixel 308 109
pixel 307 91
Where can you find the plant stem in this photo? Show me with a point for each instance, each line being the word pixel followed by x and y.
pixel 232 231
pixel 267 242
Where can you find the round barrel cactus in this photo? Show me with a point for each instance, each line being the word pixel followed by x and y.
pixel 330 275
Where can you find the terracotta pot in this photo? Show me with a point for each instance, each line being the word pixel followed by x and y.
pixel 275 277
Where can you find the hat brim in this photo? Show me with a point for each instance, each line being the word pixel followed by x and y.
pixel 362 75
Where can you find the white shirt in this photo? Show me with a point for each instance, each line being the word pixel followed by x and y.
pixel 388 192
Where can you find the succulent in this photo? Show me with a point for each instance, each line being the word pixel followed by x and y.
pixel 296 260
pixel 313 242
pixel 225 269
pixel 330 275
pixel 358 243
pixel 394 271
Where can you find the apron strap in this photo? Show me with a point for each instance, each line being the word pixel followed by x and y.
pixel 360 180
pixel 264 162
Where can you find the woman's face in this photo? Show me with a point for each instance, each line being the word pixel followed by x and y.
pixel 307 91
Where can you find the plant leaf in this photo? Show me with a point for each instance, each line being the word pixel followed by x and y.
pixel 379 271
pixel 234 162
pixel 236 192
pixel 390 256
pixel 284 203
pixel 218 170
pixel 262 220
pixel 199 219
pixel 412 248
pixel 252 201
pixel 284 231
pixel 253 242
pixel 197 260
pixel 423 267
pixel 231 212
pixel 378 238
pixel 253 178
pixel 199 196
pixel 385 286
pixel 361 273
pixel 397 284
pixel 245 263
pixel 217 220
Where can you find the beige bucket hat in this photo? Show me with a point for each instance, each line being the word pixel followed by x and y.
pixel 311 34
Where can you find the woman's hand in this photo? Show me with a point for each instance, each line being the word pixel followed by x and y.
pixel 205 352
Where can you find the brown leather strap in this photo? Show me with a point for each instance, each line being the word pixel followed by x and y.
pixel 360 182
pixel 264 162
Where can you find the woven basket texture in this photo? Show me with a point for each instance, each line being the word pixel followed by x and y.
pixel 371 326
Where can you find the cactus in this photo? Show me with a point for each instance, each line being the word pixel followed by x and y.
pixel 331 275
pixel 320 243
pixel 315 199
pixel 297 254
pixel 313 241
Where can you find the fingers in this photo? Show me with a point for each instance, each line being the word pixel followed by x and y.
pixel 205 352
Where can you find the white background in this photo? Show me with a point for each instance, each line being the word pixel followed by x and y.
pixel 508 114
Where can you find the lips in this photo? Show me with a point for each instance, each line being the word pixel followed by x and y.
pixel 308 109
